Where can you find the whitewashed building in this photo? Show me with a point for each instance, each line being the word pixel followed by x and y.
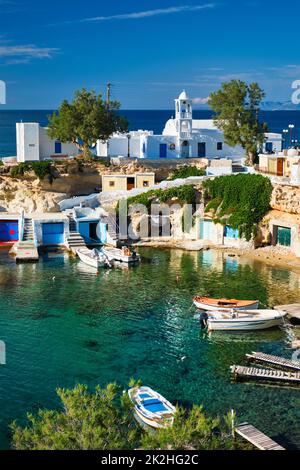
pixel 34 144
pixel 182 137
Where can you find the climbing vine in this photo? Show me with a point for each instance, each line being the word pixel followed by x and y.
pixel 240 201
pixel 185 194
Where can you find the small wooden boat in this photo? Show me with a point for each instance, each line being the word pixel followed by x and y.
pixel 236 320
pixel 151 407
pixel 124 255
pixel 207 303
pixel 94 258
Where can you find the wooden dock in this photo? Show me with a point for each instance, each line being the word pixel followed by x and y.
pixel 293 310
pixel 269 375
pixel 273 361
pixel 257 438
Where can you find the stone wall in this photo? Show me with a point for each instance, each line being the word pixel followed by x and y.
pixel 286 199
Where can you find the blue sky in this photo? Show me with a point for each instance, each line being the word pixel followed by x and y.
pixel 149 50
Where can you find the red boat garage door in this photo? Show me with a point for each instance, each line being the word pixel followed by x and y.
pixel 9 230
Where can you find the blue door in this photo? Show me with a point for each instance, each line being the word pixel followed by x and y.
pixel 231 232
pixel 205 229
pixel 9 231
pixel 57 147
pixel 284 236
pixel 269 147
pixel 163 151
pixel 201 149
pixel 53 234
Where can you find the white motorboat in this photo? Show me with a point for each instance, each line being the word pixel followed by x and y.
pixel 235 320
pixel 211 304
pixel 151 407
pixel 94 258
pixel 124 255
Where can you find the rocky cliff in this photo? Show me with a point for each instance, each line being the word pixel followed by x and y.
pixel 286 199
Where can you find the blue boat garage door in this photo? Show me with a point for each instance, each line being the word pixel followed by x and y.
pixel 53 234
pixel 206 229
pixel 9 230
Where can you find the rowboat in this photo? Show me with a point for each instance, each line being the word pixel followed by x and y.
pixel 151 407
pixel 236 320
pixel 207 303
pixel 124 255
pixel 94 258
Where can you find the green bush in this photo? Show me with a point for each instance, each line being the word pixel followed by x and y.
pixel 186 171
pixel 41 169
pixel 240 201
pixel 1 162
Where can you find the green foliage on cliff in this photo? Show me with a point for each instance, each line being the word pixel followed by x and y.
pixel 41 169
pixel 104 420
pixel 186 171
pixel 240 201
pixel 185 194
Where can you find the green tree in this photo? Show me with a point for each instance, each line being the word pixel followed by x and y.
pixel 193 430
pixel 236 105
pixel 88 421
pixel 104 420
pixel 85 120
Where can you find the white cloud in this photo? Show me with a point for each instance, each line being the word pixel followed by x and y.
pixel 200 100
pixel 148 13
pixel 24 53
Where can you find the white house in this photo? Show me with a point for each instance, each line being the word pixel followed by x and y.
pixel 34 144
pixel 182 137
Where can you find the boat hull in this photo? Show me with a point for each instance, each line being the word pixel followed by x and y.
pixel 93 262
pixel 243 324
pixel 163 417
pixel 214 308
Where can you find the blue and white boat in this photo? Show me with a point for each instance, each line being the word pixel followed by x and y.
pixel 151 407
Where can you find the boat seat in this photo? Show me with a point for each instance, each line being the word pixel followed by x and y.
pixel 144 395
pixel 154 406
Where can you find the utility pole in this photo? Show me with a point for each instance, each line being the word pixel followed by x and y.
pixel 108 94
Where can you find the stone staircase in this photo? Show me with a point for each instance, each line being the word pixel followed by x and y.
pixel 28 234
pixel 75 240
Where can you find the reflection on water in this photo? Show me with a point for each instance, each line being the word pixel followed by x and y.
pixel 65 323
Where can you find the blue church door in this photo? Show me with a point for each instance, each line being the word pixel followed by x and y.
pixel 163 151
pixel 201 149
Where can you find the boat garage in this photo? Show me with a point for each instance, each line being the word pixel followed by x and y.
pixel 53 233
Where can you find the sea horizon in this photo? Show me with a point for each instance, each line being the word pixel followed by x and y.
pixel 146 119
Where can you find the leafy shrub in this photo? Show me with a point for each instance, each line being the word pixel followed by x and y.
pixel 240 201
pixel 1 162
pixel 41 169
pixel 186 171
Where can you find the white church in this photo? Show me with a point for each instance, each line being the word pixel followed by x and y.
pixel 182 137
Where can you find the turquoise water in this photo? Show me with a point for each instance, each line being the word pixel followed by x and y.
pixel 63 324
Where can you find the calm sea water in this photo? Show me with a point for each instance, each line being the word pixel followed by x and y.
pixel 152 120
pixel 76 327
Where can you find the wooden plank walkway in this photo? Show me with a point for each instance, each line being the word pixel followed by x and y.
pixel 257 438
pixel 274 360
pixel 265 374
